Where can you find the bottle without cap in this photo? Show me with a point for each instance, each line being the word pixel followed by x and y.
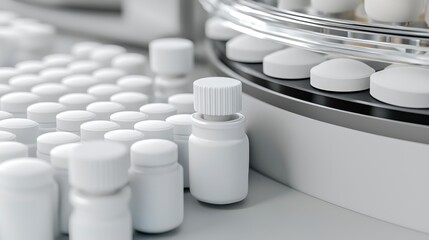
pixel 157 185
pixel 28 200
pixel 218 171
pixel 100 196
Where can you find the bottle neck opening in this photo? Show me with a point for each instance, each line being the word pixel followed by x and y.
pixel 217 118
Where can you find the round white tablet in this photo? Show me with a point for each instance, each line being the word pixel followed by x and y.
pixel 5 115
pixel 136 83
pixel 103 110
pixel 217 29
pixel 7 136
pixel 108 75
pixel 394 11
pixel 183 102
pixel 159 111
pixel 30 67
pixel 293 4
pixel 45 112
pixel 82 50
pixel 24 83
pixel 404 87
pixel 54 75
pixel 171 56
pixel 77 101
pixel 95 130
pixel 291 63
pixel 57 60
pixel 12 150
pixel 127 119
pixel 79 83
pixel 103 92
pixel 26 130
pixel 104 54
pixel 70 121
pixel 50 92
pixel 18 102
pixel 132 101
pixel 130 63
pixel 6 73
pixel 155 129
pixel 248 49
pixel 341 75
pixel 335 6
pixel 83 67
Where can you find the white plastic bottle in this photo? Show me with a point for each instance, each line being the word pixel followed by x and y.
pixel 60 163
pixel 45 114
pixel 28 200
pixel 157 185
pixel 100 196
pixel 48 141
pixel 171 59
pixel 25 130
pixel 182 130
pixel 218 146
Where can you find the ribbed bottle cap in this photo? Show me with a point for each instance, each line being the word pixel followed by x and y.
pixel 45 112
pixel 46 142
pixel 127 119
pixel 131 63
pixel 11 150
pixel 25 82
pixel 127 137
pixel 95 130
pixel 18 102
pixel 217 96
pixel 25 173
pixel 83 67
pixel 103 92
pixel 108 75
pixel 183 102
pixel 153 153
pixel 77 101
pixel 30 67
pixel 50 92
pixel 103 110
pixel 155 129
pixel 26 130
pixel 57 60
pixel 7 73
pixel 54 75
pixel 141 84
pixel 99 167
pixel 7 136
pixel 70 121
pixel 104 54
pixel 79 83
pixel 132 101
pixel 171 56
pixel 82 50
pixel 158 111
pixel 5 115
pixel 60 155
pixel 182 124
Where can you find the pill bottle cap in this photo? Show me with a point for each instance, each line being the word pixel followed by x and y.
pixel 154 153
pixel 98 167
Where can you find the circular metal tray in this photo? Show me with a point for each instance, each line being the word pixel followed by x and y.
pixel 347 34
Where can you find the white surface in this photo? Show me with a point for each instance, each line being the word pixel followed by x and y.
pixel 103 110
pixel 404 87
pixel 132 101
pixel 95 130
pixel 156 180
pixel 28 200
pixel 155 129
pixel 98 167
pixel 291 63
pixel 217 29
pixel 335 6
pixel 127 119
pixel 341 75
pixel 293 4
pixel 218 160
pixel 158 111
pixel 11 150
pixel 184 103
pixel 248 49
pixel 171 56
pixel 397 11
pixel 217 96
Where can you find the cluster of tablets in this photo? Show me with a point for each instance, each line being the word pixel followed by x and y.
pixel 23 38
pixel 399 85
pixel 400 11
pixel 80 131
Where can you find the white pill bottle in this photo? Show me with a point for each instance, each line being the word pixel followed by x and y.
pixel 218 146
